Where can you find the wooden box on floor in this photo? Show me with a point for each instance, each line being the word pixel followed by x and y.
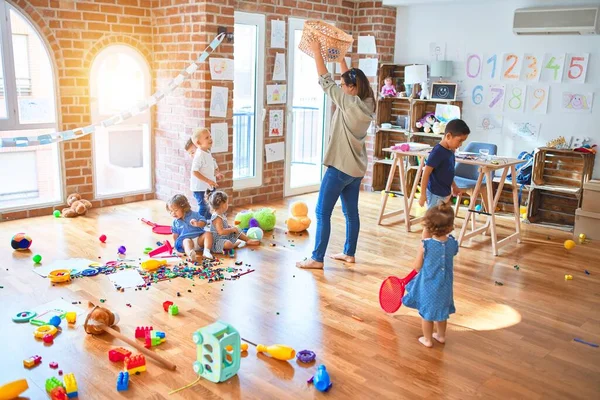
pixel 591 196
pixel 552 208
pixel 587 223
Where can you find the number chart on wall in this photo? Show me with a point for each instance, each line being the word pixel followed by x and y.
pixel 512 84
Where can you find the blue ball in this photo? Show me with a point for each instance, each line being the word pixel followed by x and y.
pixel 55 321
pixel 478 207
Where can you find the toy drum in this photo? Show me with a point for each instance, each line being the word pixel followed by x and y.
pixel 43 330
pixel 334 42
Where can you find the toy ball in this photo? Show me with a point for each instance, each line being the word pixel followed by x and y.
pixel 242 219
pixel 253 223
pixel 266 218
pixel 466 202
pixel 582 237
pixel 569 244
pixel 48 338
pixel 37 259
pixel 122 250
pixel 454 200
pixel 56 214
pixel 478 207
pixel 55 321
pixel 21 241
pixel 102 238
pixel 255 233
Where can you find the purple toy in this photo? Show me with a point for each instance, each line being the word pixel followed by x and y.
pixel 253 223
pixel 306 356
pixel 426 123
pixel 122 250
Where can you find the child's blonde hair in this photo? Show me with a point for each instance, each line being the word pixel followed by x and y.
pixel 196 134
pixel 439 220
pixel 189 144
pixel 215 198
pixel 180 201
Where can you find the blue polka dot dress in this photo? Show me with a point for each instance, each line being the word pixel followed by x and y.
pixel 430 292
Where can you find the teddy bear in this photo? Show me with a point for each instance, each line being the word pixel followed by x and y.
pixel 426 123
pixel 299 220
pixel 439 128
pixel 77 206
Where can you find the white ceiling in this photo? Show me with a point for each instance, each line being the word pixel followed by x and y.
pixel 424 2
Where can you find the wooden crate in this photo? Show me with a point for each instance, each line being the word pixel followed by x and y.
pixel 505 203
pixel 422 107
pixel 553 208
pixel 566 169
pixel 396 71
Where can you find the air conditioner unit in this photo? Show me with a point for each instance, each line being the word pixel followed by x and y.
pixel 584 20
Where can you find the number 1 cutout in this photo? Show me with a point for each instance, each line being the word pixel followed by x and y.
pixel 537 98
pixel 490 67
pixel 577 67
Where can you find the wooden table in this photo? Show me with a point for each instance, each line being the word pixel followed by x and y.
pixel 398 162
pixel 486 169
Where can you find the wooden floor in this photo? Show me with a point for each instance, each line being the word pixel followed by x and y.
pixel 509 341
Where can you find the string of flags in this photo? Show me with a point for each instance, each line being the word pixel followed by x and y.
pixel 49 138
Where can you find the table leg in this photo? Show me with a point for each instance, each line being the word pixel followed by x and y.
pixel 388 187
pixel 463 230
pixel 414 190
pixel 492 210
pixel 516 205
pixel 404 195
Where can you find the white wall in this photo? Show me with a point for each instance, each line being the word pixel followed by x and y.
pixel 487 27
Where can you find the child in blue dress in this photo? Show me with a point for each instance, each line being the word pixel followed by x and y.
pixel 225 237
pixel 430 292
pixel 188 228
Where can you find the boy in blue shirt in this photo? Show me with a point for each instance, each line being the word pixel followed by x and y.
pixel 437 183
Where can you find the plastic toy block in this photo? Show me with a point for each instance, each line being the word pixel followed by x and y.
pixel 118 354
pixel 173 310
pixel 32 361
pixel 70 385
pixel 214 362
pixel 58 393
pixel 140 331
pixel 154 338
pixel 71 317
pixel 123 381
pixel 160 334
pixel 166 305
pixel 52 383
pixel 135 364
pixel 53 365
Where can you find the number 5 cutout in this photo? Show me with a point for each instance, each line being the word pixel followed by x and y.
pixel 577 67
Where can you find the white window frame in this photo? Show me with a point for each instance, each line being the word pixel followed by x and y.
pixel 257 20
pixel 11 123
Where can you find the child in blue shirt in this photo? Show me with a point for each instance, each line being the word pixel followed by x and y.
pixel 188 228
pixel 437 183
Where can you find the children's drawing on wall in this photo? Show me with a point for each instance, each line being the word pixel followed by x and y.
pixel 276 123
pixel 218 101
pixel 279 67
pixel 577 102
pixel 221 69
pixel 446 112
pixel 274 152
pixel 219 133
pixel 515 97
pixel 277 34
pixel 276 94
pixel 525 130
pixel 489 123
pixel 537 98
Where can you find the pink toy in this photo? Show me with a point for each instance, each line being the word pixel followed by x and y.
pixel 160 229
pixel 165 248
pixel 102 238
pixel 388 90
pixel 53 365
pixel 48 339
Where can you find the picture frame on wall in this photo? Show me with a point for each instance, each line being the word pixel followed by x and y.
pixel 443 91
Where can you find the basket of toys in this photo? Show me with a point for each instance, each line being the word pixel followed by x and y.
pixel 334 42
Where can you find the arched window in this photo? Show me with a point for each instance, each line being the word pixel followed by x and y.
pixel 30 175
pixel 120 79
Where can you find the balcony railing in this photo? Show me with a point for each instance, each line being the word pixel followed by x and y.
pixel 23 87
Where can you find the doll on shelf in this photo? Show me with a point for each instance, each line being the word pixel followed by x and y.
pixel 388 90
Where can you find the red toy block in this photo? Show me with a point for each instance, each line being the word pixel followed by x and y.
pixel 58 393
pixel 166 305
pixel 53 365
pixel 118 354
pixel 135 364
pixel 140 331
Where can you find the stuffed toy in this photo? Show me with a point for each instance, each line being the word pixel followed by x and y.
pixel 298 221
pixel 439 128
pixel 426 123
pixel 242 219
pixel 77 206
pixel 266 218
pixel 388 90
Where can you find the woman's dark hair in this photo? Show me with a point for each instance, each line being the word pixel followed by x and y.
pixel 439 220
pixel 215 198
pixel 180 201
pixel 355 77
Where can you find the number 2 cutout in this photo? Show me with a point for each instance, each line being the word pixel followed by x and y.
pixel 510 63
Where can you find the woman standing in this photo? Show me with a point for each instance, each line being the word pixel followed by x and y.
pixel 346 156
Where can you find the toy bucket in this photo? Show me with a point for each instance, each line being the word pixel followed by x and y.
pixel 334 42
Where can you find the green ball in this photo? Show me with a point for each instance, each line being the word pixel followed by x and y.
pixel 56 214
pixel 37 259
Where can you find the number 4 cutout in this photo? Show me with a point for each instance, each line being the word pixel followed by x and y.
pixel 577 67
pixel 552 67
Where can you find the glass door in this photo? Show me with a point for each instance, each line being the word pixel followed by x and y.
pixel 307 113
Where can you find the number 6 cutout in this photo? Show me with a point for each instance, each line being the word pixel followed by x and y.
pixel 537 98
pixel 577 67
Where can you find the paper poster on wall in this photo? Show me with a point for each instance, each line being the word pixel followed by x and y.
pixel 511 66
pixel 218 101
pixel 531 69
pixel 279 67
pixel 527 130
pixel 366 45
pixel 276 123
pixel 489 123
pixel 577 102
pixel 552 68
pixel 474 65
pixel 437 51
pixel 368 66
pixel 537 98
pixel 515 97
pixel 219 133
pixel 338 67
pixel 274 152
pixel 462 90
pixel 491 67
pixel 478 96
pixel 277 34
pixel 494 97
pixel 221 69
pixel 276 94
pixel 577 68
pixel 446 112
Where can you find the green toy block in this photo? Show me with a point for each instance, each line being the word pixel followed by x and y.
pixel 173 309
pixel 52 383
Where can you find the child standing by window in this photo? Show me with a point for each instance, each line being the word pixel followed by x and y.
pixel 225 237
pixel 188 228
pixel 205 171
pixel 438 176
pixel 430 292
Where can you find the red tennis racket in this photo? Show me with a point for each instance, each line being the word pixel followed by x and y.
pixel 160 229
pixel 392 291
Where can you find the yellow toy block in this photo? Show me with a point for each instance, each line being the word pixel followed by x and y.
pixel 70 385
pixel 133 371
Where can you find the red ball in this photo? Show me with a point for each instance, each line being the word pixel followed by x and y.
pixel 48 338
pixel 102 238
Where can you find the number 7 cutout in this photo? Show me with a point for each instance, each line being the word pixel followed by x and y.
pixel 537 98
pixel 532 67
pixel 511 66
pixel 577 67
pixel 495 97
pixel 515 97
pixel 552 67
